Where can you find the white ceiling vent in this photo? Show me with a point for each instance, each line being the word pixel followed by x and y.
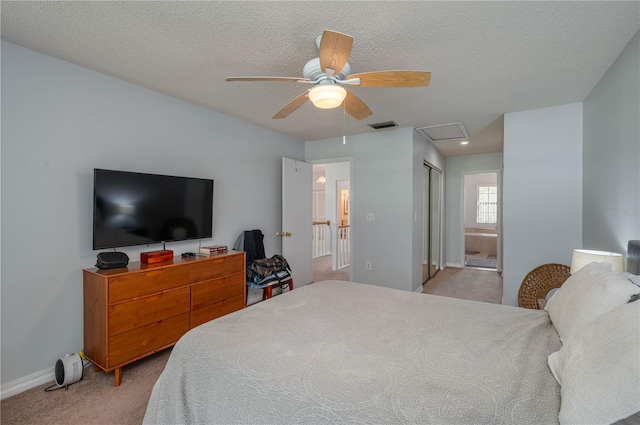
pixel 444 132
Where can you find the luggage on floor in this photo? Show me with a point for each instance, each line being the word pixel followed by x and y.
pixel 261 271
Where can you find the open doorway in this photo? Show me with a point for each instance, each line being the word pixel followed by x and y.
pixel 331 221
pixel 481 220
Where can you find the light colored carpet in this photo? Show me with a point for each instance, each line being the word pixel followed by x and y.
pixel 322 270
pixel 467 283
pixel 93 400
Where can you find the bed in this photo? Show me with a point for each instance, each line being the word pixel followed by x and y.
pixel 340 352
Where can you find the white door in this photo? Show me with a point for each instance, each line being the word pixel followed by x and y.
pixel 297 187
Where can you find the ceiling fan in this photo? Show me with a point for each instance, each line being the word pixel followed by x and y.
pixel 330 71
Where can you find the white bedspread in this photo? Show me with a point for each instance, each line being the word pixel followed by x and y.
pixel 346 353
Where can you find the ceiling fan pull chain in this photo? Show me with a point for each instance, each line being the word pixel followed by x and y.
pixel 344 124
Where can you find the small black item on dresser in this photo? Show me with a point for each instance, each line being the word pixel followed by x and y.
pixel 188 254
pixel 112 260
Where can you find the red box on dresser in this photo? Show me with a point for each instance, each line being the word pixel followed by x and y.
pixel 156 256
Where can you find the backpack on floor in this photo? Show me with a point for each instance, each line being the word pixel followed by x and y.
pixel 263 270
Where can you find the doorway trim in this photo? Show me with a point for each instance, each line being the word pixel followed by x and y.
pixel 427 194
pixel 498 173
pixel 348 159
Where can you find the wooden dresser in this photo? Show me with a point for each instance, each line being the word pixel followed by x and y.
pixel 133 312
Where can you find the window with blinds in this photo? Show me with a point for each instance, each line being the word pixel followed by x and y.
pixel 487 211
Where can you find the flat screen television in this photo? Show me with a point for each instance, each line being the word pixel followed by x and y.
pixel 139 209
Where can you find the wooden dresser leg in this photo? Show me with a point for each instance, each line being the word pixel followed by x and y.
pixel 118 373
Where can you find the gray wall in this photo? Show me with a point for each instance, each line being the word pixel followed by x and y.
pixel 542 191
pixel 382 183
pixel 457 166
pixel 611 156
pixel 59 121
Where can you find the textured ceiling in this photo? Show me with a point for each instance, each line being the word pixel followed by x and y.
pixel 486 58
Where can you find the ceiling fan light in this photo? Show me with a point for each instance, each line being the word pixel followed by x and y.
pixel 327 96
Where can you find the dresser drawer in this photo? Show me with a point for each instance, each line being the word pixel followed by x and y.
pixel 212 291
pixel 216 310
pixel 144 340
pixel 216 267
pixel 134 285
pixel 124 317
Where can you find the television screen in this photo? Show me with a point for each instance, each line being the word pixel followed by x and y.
pixel 138 209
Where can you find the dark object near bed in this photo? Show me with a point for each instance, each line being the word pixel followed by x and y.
pixel 252 242
pixel 633 257
pixel 539 282
pixel 260 269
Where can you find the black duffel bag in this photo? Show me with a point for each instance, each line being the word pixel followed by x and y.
pixel 263 270
pixel 112 260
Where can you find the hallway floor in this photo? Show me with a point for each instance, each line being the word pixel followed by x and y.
pixel 467 283
pixel 322 270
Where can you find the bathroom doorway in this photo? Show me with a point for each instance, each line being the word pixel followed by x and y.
pixel 481 220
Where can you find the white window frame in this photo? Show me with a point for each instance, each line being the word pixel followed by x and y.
pixel 487 211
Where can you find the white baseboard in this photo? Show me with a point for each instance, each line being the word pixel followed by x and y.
pixel 31 381
pixel 26 383
pixel 455 265
pixel 420 289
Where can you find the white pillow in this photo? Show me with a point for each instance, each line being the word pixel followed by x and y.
pixel 598 369
pixel 589 293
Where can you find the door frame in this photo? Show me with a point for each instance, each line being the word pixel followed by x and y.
pixel 498 173
pixel 348 159
pixel 426 202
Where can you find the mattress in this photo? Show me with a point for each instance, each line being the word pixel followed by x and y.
pixel 342 352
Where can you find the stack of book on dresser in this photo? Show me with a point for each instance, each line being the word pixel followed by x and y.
pixel 213 250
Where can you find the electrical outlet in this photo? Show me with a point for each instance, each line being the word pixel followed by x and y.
pixel 370 216
pixel 367 265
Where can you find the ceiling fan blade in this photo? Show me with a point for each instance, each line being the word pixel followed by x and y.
pixel 291 106
pixel 355 106
pixel 393 78
pixel 335 49
pixel 293 79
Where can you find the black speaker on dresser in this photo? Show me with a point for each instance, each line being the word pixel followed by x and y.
pixel 112 260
